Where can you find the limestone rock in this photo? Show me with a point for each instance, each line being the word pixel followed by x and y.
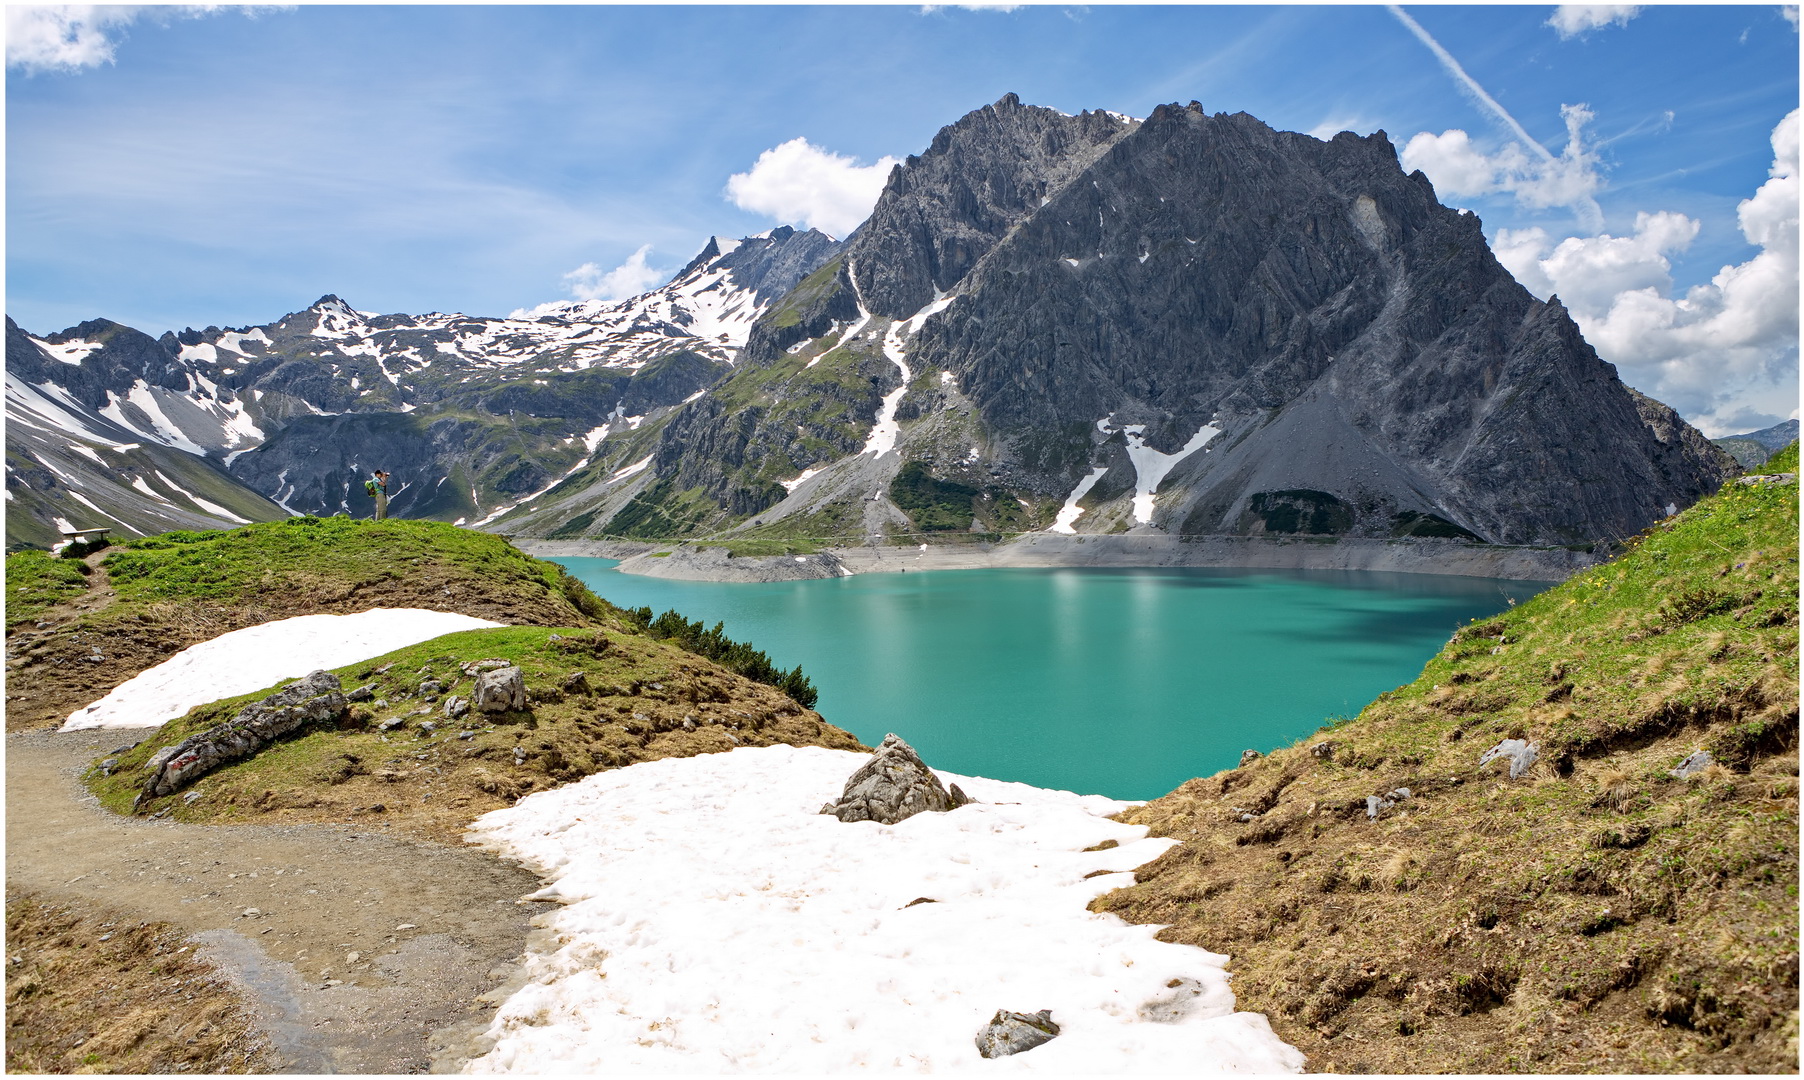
pixel 1012 1032
pixel 317 697
pixel 456 706
pixel 1378 804
pixel 1247 757
pixel 500 690
pixel 893 785
pixel 1520 753
pixel 1694 763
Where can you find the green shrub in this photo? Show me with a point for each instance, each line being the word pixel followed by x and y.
pixel 736 656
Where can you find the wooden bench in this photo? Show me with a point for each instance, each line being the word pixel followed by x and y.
pixel 80 542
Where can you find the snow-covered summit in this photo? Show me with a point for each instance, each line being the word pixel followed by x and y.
pixel 715 298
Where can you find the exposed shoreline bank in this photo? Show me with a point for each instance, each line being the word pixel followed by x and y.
pixel 688 562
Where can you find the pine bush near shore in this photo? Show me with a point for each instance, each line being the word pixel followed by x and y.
pixel 736 656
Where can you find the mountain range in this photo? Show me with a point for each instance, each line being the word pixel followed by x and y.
pixel 1189 323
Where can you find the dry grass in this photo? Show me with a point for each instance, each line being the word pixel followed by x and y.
pixel 88 991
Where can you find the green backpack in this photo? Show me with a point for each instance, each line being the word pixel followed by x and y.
pixel 370 487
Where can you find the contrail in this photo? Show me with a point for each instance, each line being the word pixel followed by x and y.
pixel 1471 84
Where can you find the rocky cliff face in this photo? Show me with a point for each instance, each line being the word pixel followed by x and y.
pixel 943 210
pixel 1191 323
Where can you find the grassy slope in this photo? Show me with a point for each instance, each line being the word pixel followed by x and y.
pixel 629 705
pixel 1596 914
pixel 35 581
pixel 146 599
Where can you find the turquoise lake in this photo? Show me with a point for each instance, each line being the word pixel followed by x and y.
pixel 1120 682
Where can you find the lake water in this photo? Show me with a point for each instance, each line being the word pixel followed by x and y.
pixel 1119 682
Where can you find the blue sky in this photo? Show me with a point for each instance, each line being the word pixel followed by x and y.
pixel 167 169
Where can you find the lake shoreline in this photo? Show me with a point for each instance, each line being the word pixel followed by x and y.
pixel 689 562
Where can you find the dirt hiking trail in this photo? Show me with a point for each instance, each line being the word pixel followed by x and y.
pixel 352 948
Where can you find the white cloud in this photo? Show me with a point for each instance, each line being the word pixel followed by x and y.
pixel 630 278
pixel 70 37
pixel 1528 170
pixel 1571 20
pixel 1459 168
pixel 61 37
pixel 1334 125
pixel 590 282
pixel 1790 11
pixel 1725 354
pixel 799 181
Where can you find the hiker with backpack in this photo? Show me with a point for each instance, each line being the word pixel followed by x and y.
pixel 378 487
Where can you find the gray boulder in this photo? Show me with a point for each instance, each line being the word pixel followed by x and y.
pixel 1012 1032
pixel 456 707
pixel 1520 753
pixel 500 689
pixel 1378 804
pixel 1247 757
pixel 1694 763
pixel 895 784
pixel 318 697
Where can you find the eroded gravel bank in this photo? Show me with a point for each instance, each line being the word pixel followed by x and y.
pixel 1409 556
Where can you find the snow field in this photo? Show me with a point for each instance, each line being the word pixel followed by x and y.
pixel 714 921
pixel 259 656
pixel 1070 512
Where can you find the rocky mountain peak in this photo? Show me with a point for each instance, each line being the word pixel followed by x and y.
pixel 943 210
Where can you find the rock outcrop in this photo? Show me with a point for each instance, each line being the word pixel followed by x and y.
pixel 500 689
pixel 894 785
pixel 316 698
pixel 1012 1032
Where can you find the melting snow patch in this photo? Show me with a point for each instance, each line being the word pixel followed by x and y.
pixel 634 469
pixel 791 485
pixel 886 430
pixel 712 920
pixel 69 352
pixel 1150 466
pixel 209 507
pixel 258 656
pixel 87 452
pixel 1069 513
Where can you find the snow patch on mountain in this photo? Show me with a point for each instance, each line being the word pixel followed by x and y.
pixel 69 352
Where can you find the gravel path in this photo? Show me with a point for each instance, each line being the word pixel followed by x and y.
pixel 360 953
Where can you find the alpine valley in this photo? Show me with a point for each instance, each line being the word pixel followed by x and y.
pixel 1190 325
